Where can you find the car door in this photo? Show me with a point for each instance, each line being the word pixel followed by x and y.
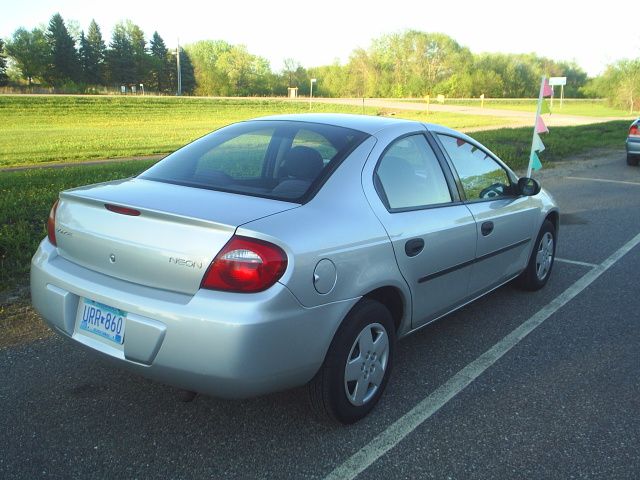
pixel 432 231
pixel 505 220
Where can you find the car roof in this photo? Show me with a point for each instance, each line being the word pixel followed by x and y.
pixel 365 123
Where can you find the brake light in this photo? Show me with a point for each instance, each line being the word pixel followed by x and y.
pixel 245 265
pixel 122 210
pixel 51 224
pixel 633 131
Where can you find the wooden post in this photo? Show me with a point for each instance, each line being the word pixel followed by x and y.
pixel 428 98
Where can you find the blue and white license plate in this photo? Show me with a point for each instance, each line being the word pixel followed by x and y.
pixel 102 320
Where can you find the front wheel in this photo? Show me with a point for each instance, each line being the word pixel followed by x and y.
pixel 357 366
pixel 538 269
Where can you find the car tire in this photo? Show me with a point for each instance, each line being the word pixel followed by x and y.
pixel 343 397
pixel 632 160
pixel 538 270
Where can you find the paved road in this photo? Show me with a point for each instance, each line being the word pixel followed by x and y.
pixel 563 402
pixel 515 117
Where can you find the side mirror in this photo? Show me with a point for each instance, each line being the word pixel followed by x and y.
pixel 528 186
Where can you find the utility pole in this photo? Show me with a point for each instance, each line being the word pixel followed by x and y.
pixel 179 70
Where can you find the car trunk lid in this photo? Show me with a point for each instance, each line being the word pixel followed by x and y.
pixel 152 233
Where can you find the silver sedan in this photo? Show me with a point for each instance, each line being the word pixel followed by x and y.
pixel 289 250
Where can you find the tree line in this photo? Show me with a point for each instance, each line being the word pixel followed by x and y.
pixel 405 64
pixel 53 57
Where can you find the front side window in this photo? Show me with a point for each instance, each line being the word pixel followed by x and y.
pixel 276 159
pixel 410 175
pixel 481 176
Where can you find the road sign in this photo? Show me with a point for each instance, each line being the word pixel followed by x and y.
pixel 560 81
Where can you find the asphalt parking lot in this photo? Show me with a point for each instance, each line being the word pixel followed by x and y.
pixel 559 398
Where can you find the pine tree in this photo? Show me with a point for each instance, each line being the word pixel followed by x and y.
pixel 188 78
pixel 141 58
pixel 3 65
pixel 94 73
pixel 159 73
pixel 65 65
pixel 120 58
pixel 84 55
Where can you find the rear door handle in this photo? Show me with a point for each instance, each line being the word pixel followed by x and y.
pixel 486 228
pixel 413 247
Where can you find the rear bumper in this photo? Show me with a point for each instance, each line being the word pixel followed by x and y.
pixel 633 145
pixel 223 344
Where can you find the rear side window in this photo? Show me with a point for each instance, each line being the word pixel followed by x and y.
pixel 282 160
pixel 481 176
pixel 410 175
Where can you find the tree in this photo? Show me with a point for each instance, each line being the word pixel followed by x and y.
pixel 3 65
pixel 244 71
pixel 85 56
pixel 94 68
pixel 120 57
pixel 141 60
pixel 65 66
pixel 621 84
pixel 159 71
pixel 210 79
pixel 30 51
pixel 290 67
pixel 187 77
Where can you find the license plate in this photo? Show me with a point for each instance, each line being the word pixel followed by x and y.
pixel 102 320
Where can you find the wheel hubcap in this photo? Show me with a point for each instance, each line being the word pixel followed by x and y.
pixel 366 364
pixel 544 257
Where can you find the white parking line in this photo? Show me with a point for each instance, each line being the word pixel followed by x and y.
pixel 406 424
pixel 604 180
pixel 576 262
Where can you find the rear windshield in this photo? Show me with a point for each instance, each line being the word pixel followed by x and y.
pixel 283 160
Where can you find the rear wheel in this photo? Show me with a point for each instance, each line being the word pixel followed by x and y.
pixel 357 366
pixel 633 160
pixel 538 269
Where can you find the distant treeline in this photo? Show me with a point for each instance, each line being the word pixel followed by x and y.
pixel 406 64
pixel 77 63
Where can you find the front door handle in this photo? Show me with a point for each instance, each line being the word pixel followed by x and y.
pixel 413 247
pixel 486 228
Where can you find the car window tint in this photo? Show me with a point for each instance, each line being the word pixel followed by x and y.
pixel 308 138
pixel 277 159
pixel 481 176
pixel 240 157
pixel 410 175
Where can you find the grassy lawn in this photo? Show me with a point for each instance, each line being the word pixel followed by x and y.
pixel 46 129
pixel 513 145
pixel 26 196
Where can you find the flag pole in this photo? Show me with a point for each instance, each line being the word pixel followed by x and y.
pixel 535 123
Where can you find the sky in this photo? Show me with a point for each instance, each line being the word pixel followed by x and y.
pixel 315 33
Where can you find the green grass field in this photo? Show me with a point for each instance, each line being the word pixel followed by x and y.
pixel 49 129
pixel 514 144
pixel 26 196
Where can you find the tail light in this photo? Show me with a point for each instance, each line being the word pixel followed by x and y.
pixel 633 131
pixel 122 210
pixel 245 265
pixel 51 224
